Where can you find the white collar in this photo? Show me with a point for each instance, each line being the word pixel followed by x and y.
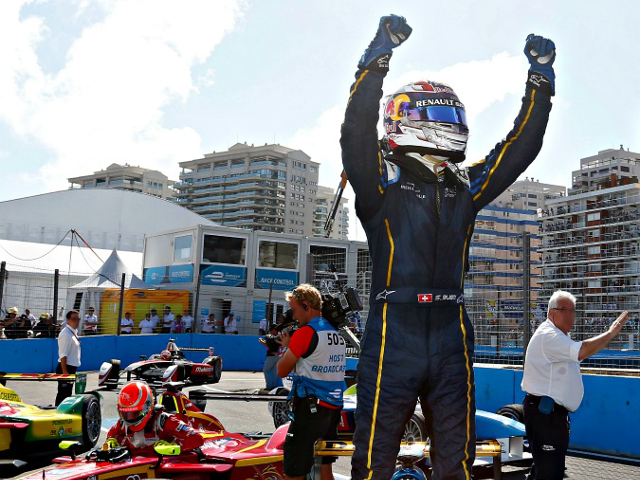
pixel 435 165
pixel 555 327
pixel 73 330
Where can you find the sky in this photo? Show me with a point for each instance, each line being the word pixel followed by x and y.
pixel 85 83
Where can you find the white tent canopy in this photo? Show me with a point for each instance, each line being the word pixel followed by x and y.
pixel 109 275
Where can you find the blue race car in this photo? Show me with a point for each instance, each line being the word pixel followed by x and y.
pixel 504 426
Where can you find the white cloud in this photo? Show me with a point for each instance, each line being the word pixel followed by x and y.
pixel 105 104
pixel 479 85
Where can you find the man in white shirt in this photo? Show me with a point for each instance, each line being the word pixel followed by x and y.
pixel 31 318
pixel 263 327
pixel 187 321
pixel 553 383
pixel 209 325
pixel 126 324
pixel 68 354
pixel 230 324
pixel 155 319
pixel 146 325
pixel 167 320
pixel 90 323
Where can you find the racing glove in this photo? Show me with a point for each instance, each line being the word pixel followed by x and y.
pixel 110 443
pixel 392 31
pixel 541 53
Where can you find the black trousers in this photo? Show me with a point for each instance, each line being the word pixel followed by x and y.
pixel 548 437
pixel 305 429
pixel 65 389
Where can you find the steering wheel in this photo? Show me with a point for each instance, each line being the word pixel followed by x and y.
pixel 113 455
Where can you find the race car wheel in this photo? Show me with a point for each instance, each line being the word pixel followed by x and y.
pixel 217 369
pixel 514 412
pixel 280 411
pixel 415 430
pixel 91 420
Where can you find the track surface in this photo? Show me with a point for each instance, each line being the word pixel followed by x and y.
pixel 245 417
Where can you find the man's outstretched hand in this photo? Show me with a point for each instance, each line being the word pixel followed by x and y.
pixel 541 53
pixel 392 31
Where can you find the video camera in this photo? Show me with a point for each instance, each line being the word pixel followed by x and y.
pixel 336 309
pixel 270 339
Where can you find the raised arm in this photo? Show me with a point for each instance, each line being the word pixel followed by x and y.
pixel 361 157
pixel 510 158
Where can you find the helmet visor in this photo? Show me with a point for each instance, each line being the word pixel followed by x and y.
pixel 454 115
pixel 133 417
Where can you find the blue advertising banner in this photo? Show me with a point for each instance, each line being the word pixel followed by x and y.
pixel 169 274
pixel 181 273
pixel 259 310
pixel 155 275
pixel 223 275
pixel 282 280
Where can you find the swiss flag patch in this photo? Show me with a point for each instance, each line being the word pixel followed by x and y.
pixel 425 298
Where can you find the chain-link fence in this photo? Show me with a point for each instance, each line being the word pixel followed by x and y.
pixel 504 285
pixel 113 301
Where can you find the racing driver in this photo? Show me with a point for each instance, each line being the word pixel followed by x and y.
pixel 141 425
pixel 418 210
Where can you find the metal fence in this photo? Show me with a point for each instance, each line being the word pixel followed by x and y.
pixel 499 295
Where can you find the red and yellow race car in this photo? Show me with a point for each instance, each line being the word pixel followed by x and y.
pixel 228 455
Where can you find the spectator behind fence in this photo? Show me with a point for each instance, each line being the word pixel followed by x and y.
pixel 187 321
pixel 146 325
pixel 45 328
pixel 553 383
pixel 155 319
pixel 209 325
pixel 176 325
pixel 31 318
pixel 69 354
pixel 167 319
pixel 90 323
pixel 126 324
pixel 14 326
pixel 230 325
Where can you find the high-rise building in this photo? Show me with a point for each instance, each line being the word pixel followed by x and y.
pixel 324 203
pixel 127 177
pixel 591 245
pixel 607 169
pixel 495 283
pixel 529 194
pixel 270 188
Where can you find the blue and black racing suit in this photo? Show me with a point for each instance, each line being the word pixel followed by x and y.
pixel 418 340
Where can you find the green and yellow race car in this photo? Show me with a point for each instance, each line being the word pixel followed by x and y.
pixel 28 431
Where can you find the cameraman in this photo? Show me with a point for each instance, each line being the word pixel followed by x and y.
pixel 316 355
pixel 270 369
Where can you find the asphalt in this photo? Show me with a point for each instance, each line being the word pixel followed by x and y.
pixel 241 416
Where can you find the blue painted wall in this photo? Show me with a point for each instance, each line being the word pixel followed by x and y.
pixel 238 352
pixel 608 420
